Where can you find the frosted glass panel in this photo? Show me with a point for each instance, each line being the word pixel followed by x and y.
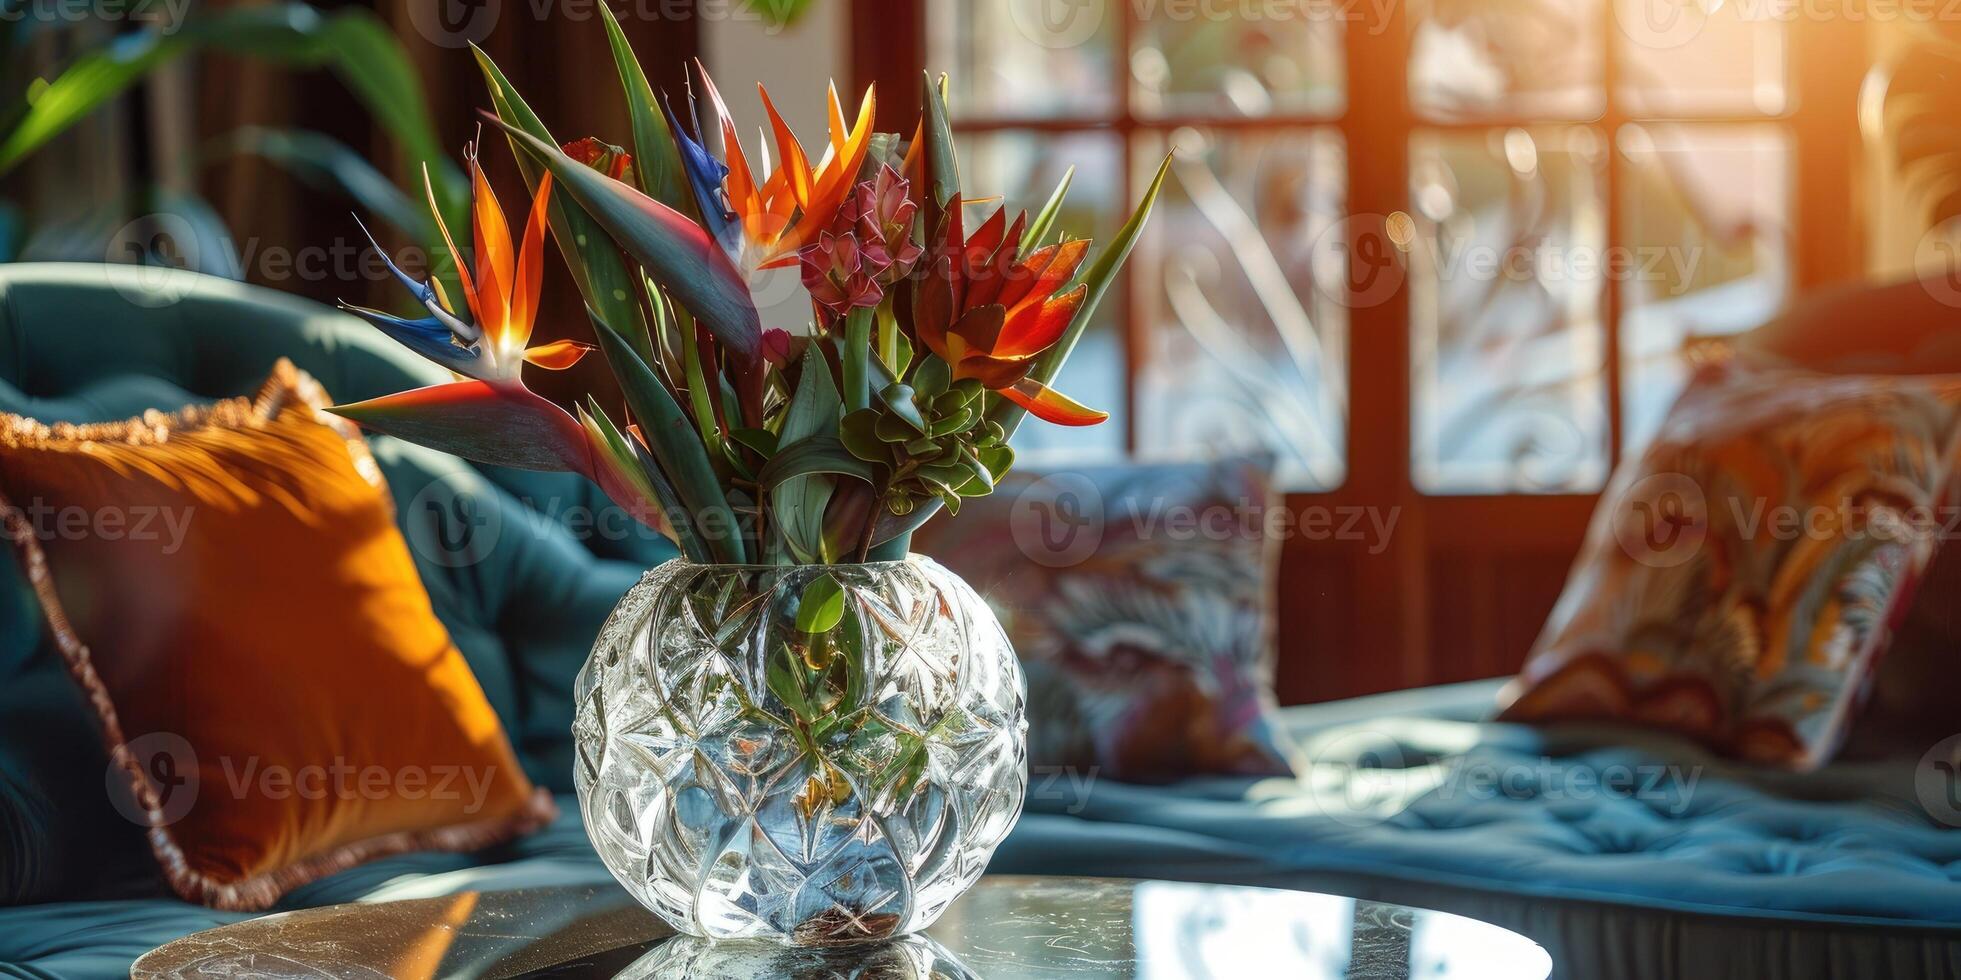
pixel 1025 58
pixel 1705 212
pixel 1236 60
pixel 1505 293
pixel 1242 278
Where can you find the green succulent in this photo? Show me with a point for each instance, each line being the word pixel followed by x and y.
pixel 933 436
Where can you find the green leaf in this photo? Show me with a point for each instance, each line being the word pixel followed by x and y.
pixel 821 606
pixel 854 357
pixel 932 377
pixel 700 398
pixel 763 441
pixel 894 350
pixel 859 433
pixel 603 278
pixel 812 456
pixel 799 498
pixel 633 461
pixel 1101 274
pixel 784 675
pixel 678 253
pixel 1031 239
pixel 897 399
pixel 653 143
pixel 675 446
pixel 942 165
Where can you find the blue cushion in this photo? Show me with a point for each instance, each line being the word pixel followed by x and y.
pixel 1411 787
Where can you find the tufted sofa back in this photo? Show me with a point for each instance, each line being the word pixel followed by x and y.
pixel 522 567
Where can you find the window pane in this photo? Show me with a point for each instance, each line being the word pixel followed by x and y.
pixel 1697 56
pixel 1026 58
pixel 1507 344
pixel 1471 59
pixel 1024 168
pixel 1236 59
pixel 1241 278
pixel 1704 210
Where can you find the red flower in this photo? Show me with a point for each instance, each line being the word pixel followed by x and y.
pixel 990 313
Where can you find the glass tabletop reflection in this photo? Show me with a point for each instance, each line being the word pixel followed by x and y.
pixel 1006 927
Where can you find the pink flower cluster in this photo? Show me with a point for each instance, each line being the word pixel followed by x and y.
pixel 868 247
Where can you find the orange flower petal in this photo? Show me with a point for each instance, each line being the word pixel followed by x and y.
pixel 792 164
pixel 557 355
pixel 530 267
pixel 1050 405
pixel 1031 330
pixel 1043 272
pixel 495 263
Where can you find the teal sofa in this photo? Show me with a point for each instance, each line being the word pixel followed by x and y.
pixel 1705 869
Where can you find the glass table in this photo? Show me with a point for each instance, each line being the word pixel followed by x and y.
pixel 1006 927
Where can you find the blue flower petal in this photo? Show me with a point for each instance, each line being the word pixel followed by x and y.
pixel 705 175
pixel 428 336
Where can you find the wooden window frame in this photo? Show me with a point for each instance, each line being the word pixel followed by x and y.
pixel 1436 604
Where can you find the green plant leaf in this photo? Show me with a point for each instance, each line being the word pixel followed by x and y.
pixel 653 144
pixel 897 399
pixel 601 273
pixel 763 441
pixel 1031 239
pixel 942 164
pixel 821 606
pixel 854 358
pixel 816 455
pixel 675 446
pixel 859 433
pixel 362 52
pixel 799 499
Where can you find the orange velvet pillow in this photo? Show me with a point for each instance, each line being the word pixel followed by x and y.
pixel 228 587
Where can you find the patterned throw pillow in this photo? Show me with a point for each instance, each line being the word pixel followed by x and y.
pixel 1741 580
pixel 1139 599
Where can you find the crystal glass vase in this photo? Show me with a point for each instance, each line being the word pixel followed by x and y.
pixel 819 755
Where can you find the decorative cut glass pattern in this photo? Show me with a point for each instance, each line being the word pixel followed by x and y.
pixel 745 779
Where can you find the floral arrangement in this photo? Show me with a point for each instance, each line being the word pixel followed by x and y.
pixel 816 353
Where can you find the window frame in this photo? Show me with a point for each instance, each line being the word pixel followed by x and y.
pixel 1444 564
